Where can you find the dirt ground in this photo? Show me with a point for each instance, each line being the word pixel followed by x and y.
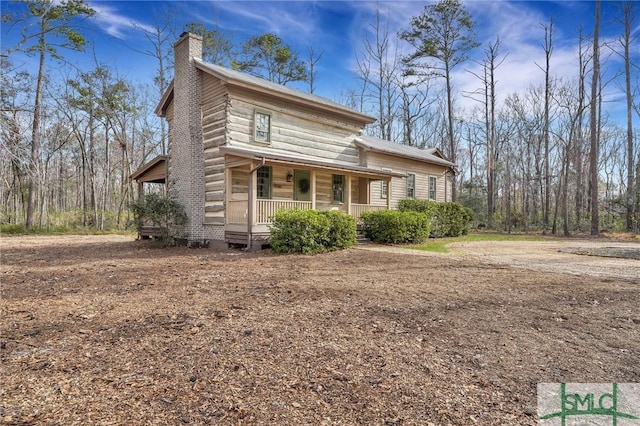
pixel 108 330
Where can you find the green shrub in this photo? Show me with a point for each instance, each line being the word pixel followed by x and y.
pixel 395 227
pixel 342 230
pixel 311 231
pixel 413 205
pixel 446 219
pixel 162 212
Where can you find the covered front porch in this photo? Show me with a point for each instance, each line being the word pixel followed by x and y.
pixel 258 188
pixel 154 174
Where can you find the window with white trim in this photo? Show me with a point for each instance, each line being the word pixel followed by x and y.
pixel 263 189
pixel 433 185
pixel 262 123
pixel 384 187
pixel 411 185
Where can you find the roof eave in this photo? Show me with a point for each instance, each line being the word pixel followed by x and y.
pixel 438 161
pixel 165 100
pixel 148 166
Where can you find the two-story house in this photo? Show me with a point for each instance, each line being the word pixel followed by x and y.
pixel 241 147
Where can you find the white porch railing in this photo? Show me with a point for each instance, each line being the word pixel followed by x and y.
pixel 265 209
pixel 358 209
pixel 237 210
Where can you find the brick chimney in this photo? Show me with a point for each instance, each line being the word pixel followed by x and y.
pixel 186 164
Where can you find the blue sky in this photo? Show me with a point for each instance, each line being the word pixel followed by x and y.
pixel 338 28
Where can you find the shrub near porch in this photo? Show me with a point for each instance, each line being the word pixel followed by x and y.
pixel 312 231
pixel 396 227
pixel 446 219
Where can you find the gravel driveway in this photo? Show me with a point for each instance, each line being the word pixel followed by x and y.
pixel 575 256
pixel 556 256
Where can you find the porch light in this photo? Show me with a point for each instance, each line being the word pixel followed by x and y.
pixel 289 176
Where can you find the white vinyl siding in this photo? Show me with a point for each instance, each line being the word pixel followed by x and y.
pixel 398 186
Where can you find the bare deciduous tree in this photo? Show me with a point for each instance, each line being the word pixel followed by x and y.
pixel 593 127
pixel 54 27
pixel 444 32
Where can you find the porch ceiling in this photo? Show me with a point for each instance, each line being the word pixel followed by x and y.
pixel 272 156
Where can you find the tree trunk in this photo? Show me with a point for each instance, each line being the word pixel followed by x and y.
pixel 627 69
pixel 579 142
pixel 593 156
pixel 548 47
pixel 35 138
pixel 565 194
pixel 452 144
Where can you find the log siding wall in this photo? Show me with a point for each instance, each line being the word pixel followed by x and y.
pixel 292 130
pixel 214 130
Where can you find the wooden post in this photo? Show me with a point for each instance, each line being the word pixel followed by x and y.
pixel 347 189
pixel 227 190
pixel 312 178
pixel 252 201
pixel 388 179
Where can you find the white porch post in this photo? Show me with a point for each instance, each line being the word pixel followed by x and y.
pixel 227 191
pixel 252 201
pixel 447 182
pixel 348 191
pixel 388 179
pixel 312 178
pixel 252 198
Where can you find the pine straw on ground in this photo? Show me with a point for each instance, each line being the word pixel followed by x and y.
pixel 104 331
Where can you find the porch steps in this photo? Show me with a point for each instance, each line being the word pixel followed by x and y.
pixel 361 237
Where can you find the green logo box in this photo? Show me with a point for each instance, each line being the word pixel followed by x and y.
pixel 576 404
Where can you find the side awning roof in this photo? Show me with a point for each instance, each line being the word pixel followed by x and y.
pixel 154 171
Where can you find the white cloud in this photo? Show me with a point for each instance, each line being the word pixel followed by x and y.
pixel 114 24
pixel 289 20
pixel 520 28
pixel 521 33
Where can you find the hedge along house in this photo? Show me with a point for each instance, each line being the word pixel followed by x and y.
pixel 241 148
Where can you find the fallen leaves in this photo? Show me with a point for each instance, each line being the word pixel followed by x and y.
pixel 183 336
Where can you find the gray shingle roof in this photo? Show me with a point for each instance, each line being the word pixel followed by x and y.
pixel 399 150
pixel 257 83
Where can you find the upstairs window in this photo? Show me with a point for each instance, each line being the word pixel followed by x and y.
pixel 263 175
pixel 262 131
pixel 411 185
pixel 432 187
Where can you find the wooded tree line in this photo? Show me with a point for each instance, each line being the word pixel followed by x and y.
pixel 549 158
pixel 69 144
pixel 71 139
